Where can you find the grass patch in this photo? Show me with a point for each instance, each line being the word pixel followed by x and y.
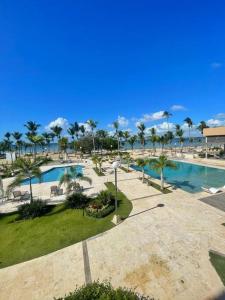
pixel 98 172
pixel 156 186
pixel 124 204
pixel 60 227
pixel 218 262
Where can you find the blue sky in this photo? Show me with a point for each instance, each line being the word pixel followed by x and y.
pixel 76 60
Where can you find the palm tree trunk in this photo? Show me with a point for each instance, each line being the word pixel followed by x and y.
pixel 93 139
pixel 162 180
pixel 31 192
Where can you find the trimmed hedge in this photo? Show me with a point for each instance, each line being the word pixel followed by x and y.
pixel 103 291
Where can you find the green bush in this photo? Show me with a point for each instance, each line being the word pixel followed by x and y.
pixel 77 200
pixel 103 291
pixel 37 208
pixel 106 197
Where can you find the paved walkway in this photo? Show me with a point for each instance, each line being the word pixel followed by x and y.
pixel 161 250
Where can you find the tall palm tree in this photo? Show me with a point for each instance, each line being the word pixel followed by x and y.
pixel 202 126
pixel 17 136
pixel 101 134
pixel 153 138
pixel 47 138
pixel 70 177
pixel 8 144
pixel 92 124
pixel 32 132
pixel 189 122
pixel 167 115
pixel 27 168
pixel 32 127
pixel 141 127
pixel 63 145
pixel 71 131
pixel 160 164
pixel 57 131
pixel 82 130
pixel 132 140
pixel 179 134
pixel 116 127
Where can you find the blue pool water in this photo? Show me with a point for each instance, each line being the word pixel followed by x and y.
pixel 190 177
pixel 53 174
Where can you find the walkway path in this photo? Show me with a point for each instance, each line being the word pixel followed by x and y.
pixel 160 250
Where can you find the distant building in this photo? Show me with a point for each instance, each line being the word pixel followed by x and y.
pixel 214 136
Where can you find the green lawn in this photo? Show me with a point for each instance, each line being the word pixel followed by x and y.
pixel 23 240
pixel 218 261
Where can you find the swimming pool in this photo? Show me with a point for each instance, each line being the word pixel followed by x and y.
pixel 53 174
pixel 190 177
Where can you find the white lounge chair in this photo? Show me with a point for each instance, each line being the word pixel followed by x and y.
pixel 212 190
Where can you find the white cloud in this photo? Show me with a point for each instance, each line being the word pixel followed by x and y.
pixel 177 107
pixel 216 65
pixel 123 122
pixel 215 122
pixel 61 122
pixel 151 117
pixel 220 116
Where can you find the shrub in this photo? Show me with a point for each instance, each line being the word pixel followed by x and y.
pixel 77 200
pixel 106 197
pixel 32 210
pixel 100 291
pixel 100 213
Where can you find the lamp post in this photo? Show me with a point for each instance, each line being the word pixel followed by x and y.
pixel 115 165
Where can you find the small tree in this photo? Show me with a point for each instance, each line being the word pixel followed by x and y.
pixel 142 163
pixel 160 164
pixel 27 169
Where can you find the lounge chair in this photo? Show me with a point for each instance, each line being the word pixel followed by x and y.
pixel 20 196
pixel 212 190
pixel 55 191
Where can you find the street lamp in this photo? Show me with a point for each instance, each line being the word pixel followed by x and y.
pixel 115 165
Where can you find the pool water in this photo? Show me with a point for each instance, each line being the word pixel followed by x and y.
pixel 53 174
pixel 190 177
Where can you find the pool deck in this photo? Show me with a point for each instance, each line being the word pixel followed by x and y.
pixel 217 201
pixel 160 251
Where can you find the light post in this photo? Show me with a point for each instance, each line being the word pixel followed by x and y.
pixel 111 147
pixel 115 165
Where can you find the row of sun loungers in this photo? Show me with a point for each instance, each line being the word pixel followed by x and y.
pixel 213 190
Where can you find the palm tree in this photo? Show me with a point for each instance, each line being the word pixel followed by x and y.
pixel 179 134
pixel 163 140
pixel 141 127
pixel 116 127
pixel 32 132
pixel 71 131
pixel 27 169
pixel 202 126
pixel 63 145
pixel 153 138
pixel 47 138
pixel 126 135
pixel 57 130
pixel 167 115
pixel 82 129
pixel 101 134
pixel 32 127
pixel 142 163
pixel 160 164
pixel 8 144
pixel 69 179
pixel 97 160
pixel 132 140
pixel 189 122
pixel 17 136
pixel 92 124
pixel 120 136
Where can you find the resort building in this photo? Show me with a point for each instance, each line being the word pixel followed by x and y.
pixel 214 137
